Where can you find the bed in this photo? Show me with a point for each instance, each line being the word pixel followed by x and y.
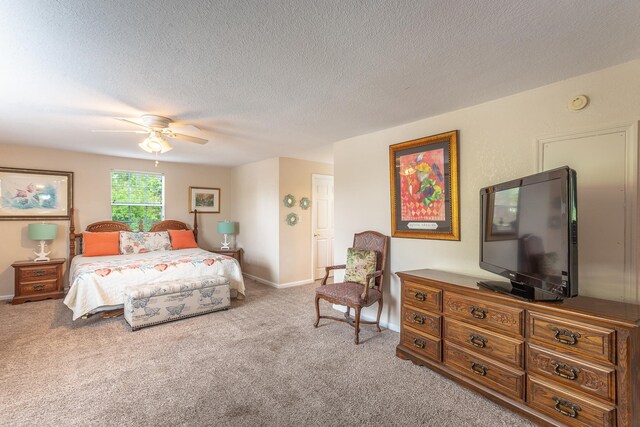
pixel 97 283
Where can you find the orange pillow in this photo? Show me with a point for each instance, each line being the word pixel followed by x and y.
pixel 182 239
pixel 97 244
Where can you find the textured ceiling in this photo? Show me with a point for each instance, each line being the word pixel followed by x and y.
pixel 283 78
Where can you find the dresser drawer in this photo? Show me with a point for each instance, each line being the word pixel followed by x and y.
pixel 38 287
pixel 422 320
pixel 486 314
pixel 571 408
pixel 422 296
pixel 577 337
pixel 501 378
pixel 420 343
pixel 596 380
pixel 487 343
pixel 30 274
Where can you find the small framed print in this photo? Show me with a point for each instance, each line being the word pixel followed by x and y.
pixel 204 199
pixel 424 188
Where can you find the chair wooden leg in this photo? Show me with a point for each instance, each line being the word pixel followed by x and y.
pixel 379 311
pixel 315 325
pixel 347 314
pixel 357 325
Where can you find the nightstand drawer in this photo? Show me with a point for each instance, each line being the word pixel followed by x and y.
pixel 29 274
pixel 38 287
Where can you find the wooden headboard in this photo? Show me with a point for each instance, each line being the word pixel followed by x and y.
pixel 75 239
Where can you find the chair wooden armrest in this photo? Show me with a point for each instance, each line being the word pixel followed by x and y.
pixel 328 268
pixel 365 294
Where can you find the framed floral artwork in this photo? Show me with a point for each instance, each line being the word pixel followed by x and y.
pixel 27 194
pixel 424 188
pixel 204 199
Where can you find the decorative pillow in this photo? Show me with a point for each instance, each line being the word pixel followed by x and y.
pixel 98 244
pixel 140 242
pixel 360 262
pixel 182 239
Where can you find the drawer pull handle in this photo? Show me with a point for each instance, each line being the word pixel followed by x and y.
pixel 477 341
pixel 418 319
pixel 565 337
pixel 572 411
pixel 421 296
pixel 418 343
pixel 478 312
pixel 38 273
pixel 38 287
pixel 479 369
pixel 565 371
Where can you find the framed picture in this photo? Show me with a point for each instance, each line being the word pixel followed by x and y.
pixel 27 194
pixel 204 199
pixel 424 188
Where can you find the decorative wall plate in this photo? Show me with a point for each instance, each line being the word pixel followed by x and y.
pixel 292 219
pixel 305 203
pixel 289 201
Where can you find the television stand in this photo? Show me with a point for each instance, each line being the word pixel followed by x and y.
pixel 517 290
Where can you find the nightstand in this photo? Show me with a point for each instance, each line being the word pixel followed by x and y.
pixel 38 280
pixel 233 253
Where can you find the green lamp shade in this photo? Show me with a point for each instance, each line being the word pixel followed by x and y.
pixel 43 231
pixel 226 227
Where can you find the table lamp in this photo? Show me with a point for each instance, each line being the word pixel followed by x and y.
pixel 42 232
pixel 226 228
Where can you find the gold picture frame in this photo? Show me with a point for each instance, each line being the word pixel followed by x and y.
pixel 204 199
pixel 424 187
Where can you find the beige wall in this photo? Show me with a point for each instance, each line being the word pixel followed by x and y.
pixel 295 241
pixel 255 192
pixel 497 143
pixel 92 194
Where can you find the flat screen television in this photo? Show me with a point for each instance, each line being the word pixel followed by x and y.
pixel 528 234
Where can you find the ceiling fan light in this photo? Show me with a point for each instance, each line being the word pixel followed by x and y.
pixel 155 143
pixel 145 146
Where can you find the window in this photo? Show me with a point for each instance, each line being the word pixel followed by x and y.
pixel 137 196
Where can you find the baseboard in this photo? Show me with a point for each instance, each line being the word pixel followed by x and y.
pixel 278 285
pixel 392 326
pixel 6 297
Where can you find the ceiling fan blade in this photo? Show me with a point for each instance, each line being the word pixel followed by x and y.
pixel 132 121
pixel 188 138
pixel 119 131
pixel 183 128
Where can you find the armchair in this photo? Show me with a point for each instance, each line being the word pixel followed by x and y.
pixel 356 295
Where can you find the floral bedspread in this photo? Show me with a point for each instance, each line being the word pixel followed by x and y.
pixel 99 282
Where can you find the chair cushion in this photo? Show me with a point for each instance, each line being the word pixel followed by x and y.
pixel 360 262
pixel 349 293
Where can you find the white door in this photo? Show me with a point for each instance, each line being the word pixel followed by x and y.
pixel 322 223
pixel 600 164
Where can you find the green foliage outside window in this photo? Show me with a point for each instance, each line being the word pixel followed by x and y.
pixel 137 196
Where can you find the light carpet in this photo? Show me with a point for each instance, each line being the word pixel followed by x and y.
pixel 259 363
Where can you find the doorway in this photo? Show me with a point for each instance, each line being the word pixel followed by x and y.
pixel 322 234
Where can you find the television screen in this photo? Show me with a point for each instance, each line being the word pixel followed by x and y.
pixel 528 231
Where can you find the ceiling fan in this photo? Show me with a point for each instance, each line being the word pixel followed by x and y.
pixel 157 128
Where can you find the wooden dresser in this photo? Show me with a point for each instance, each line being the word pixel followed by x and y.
pixel 575 362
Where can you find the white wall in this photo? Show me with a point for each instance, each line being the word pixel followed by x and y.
pixel 497 143
pixel 256 209
pixel 92 198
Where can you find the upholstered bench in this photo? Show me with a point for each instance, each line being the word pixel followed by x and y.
pixel 156 303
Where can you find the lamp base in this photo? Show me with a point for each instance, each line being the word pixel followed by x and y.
pixel 225 244
pixel 42 255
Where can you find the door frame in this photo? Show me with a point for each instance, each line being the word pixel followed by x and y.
pixel 313 220
pixel 632 217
